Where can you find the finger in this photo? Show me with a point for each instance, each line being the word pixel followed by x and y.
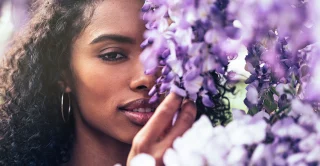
pixel 165 133
pixel 184 121
pixel 163 115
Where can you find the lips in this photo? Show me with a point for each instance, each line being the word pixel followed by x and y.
pixel 138 111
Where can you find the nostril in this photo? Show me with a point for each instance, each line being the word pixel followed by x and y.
pixel 142 87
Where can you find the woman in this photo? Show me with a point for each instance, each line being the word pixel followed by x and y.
pixel 72 84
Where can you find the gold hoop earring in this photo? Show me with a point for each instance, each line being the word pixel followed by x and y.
pixel 62 108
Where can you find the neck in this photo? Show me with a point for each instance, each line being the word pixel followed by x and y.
pixel 94 148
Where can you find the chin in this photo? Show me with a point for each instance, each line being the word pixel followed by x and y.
pixel 128 138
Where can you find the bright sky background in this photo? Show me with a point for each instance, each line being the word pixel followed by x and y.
pixel 6 26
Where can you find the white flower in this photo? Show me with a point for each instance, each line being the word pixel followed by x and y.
pixel 237 156
pixel 238 114
pixel 262 155
pixel 143 159
pixel 191 154
pixel 117 164
pixel 204 145
pixel 171 158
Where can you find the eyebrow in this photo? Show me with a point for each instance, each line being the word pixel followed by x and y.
pixel 114 37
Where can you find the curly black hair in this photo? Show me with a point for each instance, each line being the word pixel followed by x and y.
pixel 32 131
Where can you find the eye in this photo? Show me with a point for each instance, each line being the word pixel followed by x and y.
pixel 113 56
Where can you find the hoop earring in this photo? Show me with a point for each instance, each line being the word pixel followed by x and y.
pixel 62 108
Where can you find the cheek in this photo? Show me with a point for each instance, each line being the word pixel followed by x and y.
pixel 99 88
pixel 98 82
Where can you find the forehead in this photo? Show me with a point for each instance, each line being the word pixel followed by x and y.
pixel 116 17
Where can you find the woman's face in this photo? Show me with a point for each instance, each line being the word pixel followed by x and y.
pixel 108 80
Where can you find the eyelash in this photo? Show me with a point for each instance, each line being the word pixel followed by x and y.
pixel 106 56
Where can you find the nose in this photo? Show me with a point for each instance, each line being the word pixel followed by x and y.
pixel 140 81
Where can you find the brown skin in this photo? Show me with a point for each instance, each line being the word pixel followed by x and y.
pixel 99 86
pixel 153 138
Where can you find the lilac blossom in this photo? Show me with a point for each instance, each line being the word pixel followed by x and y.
pixel 313 88
pixel 190 39
pixel 186 39
pixel 247 140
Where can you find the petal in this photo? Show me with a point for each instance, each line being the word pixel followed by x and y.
pixel 206 101
pixel 237 156
pixel 143 159
pixel 308 143
pixel 177 90
pixel 252 95
pixel 313 156
pixel 238 114
pixel 294 159
pixel 153 90
pixel 193 86
pixel 171 158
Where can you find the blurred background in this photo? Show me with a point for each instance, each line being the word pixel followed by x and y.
pixel 15 13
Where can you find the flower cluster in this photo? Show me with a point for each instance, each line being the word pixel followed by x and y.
pixel 191 39
pixel 278 58
pixel 247 140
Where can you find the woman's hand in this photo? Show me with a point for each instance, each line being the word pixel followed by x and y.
pixel 154 138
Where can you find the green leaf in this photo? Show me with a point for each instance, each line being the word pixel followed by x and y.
pixel 270 96
pixel 286 107
pixel 274 91
pixel 252 111
pixel 269 105
pixel 293 80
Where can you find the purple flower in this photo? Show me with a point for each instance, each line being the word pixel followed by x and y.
pixel 252 95
pixel 313 88
pixel 192 39
pixel 207 101
pixel 150 62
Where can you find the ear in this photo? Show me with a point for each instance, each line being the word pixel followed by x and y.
pixel 65 82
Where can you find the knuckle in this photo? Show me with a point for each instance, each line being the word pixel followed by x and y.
pixel 139 144
pixel 188 117
pixel 190 108
pixel 189 105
